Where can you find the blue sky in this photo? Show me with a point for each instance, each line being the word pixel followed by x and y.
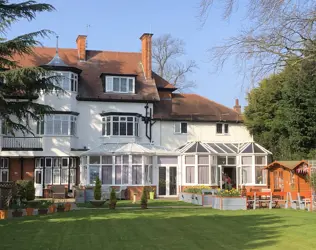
pixel 117 25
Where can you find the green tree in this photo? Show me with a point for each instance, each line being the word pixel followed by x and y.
pixel 24 83
pixel 97 189
pixel 282 112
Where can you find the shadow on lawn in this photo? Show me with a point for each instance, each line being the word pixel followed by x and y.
pixel 151 229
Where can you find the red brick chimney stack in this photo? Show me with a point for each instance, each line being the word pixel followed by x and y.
pixel 81 47
pixel 146 39
pixel 237 107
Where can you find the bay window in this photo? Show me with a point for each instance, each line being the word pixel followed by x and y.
pixel 57 125
pixel 120 125
pixel 68 81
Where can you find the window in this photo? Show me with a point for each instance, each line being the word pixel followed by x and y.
pixel 222 128
pixel 247 174
pixel 4 128
pixel 221 160
pixel 93 173
pixel 148 170
pixel 120 84
pixel 121 169
pixel 38 177
pixel 106 174
pixel 56 176
pixel 120 125
pixel 136 169
pixel 57 125
pixel 66 80
pixel 181 128
pixel 213 174
pixel 189 174
pixel 4 169
pixel 260 172
pixel 203 169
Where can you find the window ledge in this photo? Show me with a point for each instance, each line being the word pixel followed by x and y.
pixel 119 136
pixel 222 134
pixel 59 136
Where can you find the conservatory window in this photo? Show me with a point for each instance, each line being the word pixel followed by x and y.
pixel 221 160
pixel 120 125
pixel 148 170
pixel 121 169
pixel 203 169
pixel 247 174
pixel 120 84
pixel 93 173
pixel 189 174
pixel 213 174
pixel 136 169
pixel 260 172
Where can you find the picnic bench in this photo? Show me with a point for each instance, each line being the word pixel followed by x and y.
pixel 58 191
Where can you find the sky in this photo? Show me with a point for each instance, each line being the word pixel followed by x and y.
pixel 116 25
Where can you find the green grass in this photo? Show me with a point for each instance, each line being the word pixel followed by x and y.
pixel 162 229
pixel 151 203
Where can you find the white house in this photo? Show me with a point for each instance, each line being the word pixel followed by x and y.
pixel 122 122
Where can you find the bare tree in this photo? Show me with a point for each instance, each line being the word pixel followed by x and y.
pixel 278 30
pixel 166 54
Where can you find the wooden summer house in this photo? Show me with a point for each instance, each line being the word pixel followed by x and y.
pixel 289 176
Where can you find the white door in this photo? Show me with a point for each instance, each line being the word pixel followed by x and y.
pixel 38 182
pixel 167 181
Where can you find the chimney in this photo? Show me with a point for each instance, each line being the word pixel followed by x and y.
pixel 146 39
pixel 81 47
pixel 237 107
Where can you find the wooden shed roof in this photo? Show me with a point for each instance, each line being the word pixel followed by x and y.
pixel 287 164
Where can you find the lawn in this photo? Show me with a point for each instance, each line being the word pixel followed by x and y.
pixel 162 229
pixel 151 203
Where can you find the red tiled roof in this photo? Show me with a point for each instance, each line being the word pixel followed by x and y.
pixel 98 62
pixel 192 107
pixel 162 83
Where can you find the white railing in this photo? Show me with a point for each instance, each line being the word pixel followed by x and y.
pixel 21 142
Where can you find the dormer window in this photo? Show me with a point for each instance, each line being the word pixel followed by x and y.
pixel 68 81
pixel 120 84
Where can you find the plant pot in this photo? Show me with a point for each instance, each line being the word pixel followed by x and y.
pixel 67 206
pixel 112 205
pixel 60 209
pixel 4 214
pixel 16 213
pixel 52 209
pixel 151 195
pixel 97 203
pixel 42 211
pixel 29 211
pixel 143 206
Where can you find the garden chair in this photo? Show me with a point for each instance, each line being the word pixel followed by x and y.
pixel 105 191
pixel 58 191
pixel 279 197
pixel 264 199
pixel 304 201
pixel 119 192
pixel 251 200
pixel 294 203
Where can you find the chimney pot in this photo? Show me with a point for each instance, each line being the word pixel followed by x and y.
pixel 146 39
pixel 81 47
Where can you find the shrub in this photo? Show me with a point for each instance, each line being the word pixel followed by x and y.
pixel 30 191
pixel 144 197
pixel 25 190
pixel 113 196
pixel 97 189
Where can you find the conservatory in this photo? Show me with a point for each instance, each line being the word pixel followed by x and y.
pixel 135 165
pixel 210 163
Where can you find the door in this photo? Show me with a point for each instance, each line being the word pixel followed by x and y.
pixel 38 182
pixel 167 185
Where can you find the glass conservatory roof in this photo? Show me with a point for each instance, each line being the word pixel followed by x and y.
pixel 129 148
pixel 223 148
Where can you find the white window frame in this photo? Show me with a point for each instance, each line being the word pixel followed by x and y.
pixel 42 127
pixel 4 168
pixel 223 128
pixel 109 119
pixel 109 84
pixel 66 82
pixel 178 127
